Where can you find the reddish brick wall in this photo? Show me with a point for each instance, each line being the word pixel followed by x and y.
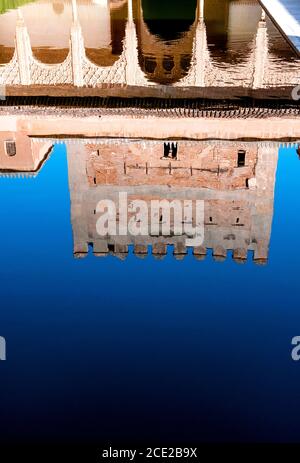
pixel 142 163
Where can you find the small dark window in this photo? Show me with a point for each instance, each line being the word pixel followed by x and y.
pixel 10 148
pixel 111 247
pixel 210 219
pixel 168 64
pixel 150 65
pixel 241 158
pixel 167 149
pixel 237 220
pixel 170 150
pixel 174 148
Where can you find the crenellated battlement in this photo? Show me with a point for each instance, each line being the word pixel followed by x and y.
pixel 161 249
pixel 18 174
pixel 227 212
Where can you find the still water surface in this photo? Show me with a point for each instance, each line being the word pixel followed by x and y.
pixel 165 35
pixel 103 350
pixel 140 350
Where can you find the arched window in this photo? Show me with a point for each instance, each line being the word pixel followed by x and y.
pixel 10 147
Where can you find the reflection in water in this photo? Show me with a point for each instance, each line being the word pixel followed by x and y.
pixel 147 331
pixel 221 34
pixel 234 179
pixel 19 155
pixel 143 321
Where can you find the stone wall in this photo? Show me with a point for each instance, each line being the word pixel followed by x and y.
pixel 29 156
pixel 197 165
pixel 237 219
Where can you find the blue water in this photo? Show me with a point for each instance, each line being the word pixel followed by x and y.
pixel 101 350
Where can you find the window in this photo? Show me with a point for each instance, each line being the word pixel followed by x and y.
pixel 174 148
pixel 167 149
pixel 170 150
pixel 10 148
pixel 241 158
pixel 150 65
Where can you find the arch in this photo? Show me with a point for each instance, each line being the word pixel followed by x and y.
pixel 231 27
pixel 167 21
pixel 163 61
pixel 96 24
pixel 48 26
pixel 50 55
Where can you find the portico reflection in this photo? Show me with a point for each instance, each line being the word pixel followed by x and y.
pixel 224 44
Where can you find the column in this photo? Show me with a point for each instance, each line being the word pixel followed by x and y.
pixel 260 53
pixel 131 49
pixel 201 55
pixel 200 10
pixel 77 48
pixel 23 47
pixel 130 11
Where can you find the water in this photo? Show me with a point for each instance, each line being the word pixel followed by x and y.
pixel 165 35
pixel 100 349
pixel 123 339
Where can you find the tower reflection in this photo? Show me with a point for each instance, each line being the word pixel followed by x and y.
pixel 234 179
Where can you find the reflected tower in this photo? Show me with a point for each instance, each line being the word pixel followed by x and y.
pixel 234 179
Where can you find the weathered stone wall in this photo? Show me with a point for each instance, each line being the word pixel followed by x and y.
pixel 236 219
pixel 140 163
